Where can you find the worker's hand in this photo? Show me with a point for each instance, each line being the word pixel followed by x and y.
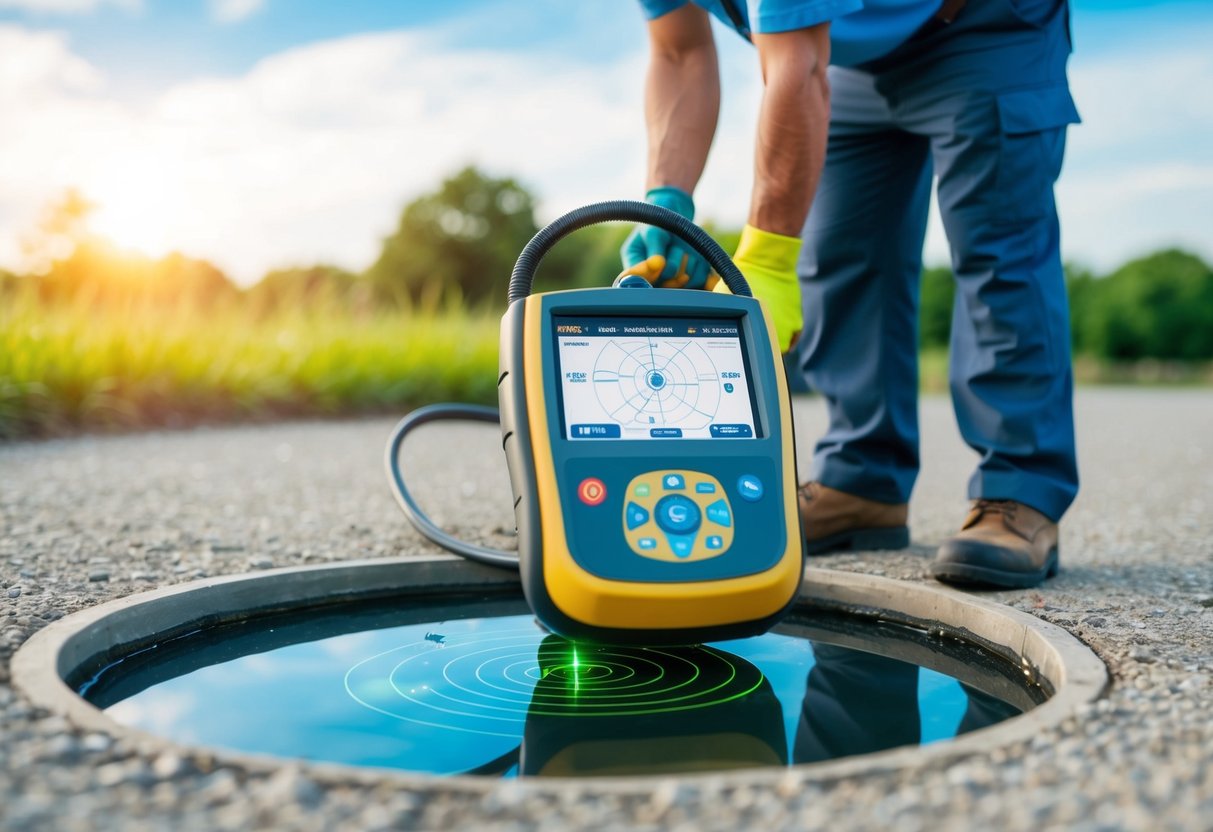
pixel 768 262
pixel 679 266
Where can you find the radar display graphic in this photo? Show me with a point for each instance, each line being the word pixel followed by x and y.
pixel 651 382
pixel 687 380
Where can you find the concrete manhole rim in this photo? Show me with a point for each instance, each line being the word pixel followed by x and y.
pixel 39 668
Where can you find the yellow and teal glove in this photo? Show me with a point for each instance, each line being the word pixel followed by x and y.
pixel 679 266
pixel 768 262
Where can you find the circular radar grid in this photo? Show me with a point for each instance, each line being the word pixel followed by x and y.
pixel 651 382
pixel 488 683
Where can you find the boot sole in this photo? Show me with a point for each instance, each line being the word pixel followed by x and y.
pixel 983 577
pixel 861 540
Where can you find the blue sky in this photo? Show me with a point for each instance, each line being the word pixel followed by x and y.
pixel 261 133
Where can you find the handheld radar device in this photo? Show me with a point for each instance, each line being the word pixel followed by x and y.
pixel 649 440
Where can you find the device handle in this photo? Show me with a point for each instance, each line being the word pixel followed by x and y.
pixel 623 210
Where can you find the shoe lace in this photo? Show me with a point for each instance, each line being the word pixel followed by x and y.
pixel 1004 507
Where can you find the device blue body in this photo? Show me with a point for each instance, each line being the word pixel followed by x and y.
pixel 588 569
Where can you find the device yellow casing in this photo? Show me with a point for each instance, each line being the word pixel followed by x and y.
pixel 569 598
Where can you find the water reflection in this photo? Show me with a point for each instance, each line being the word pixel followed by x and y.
pixel 582 723
pixel 858 703
pixel 498 696
pixel 611 711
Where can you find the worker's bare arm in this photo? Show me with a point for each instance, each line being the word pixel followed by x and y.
pixel 682 97
pixel 791 127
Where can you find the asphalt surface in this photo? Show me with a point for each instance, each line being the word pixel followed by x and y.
pixel 86 520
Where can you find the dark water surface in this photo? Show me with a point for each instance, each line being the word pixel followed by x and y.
pixel 474 685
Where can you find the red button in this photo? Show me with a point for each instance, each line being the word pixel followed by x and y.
pixel 592 491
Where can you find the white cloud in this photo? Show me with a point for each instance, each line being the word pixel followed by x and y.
pixel 67 6
pixel 1139 169
pixel 54 103
pixel 233 11
pixel 311 154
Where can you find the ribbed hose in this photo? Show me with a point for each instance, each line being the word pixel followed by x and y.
pixel 622 210
pixel 421 522
pixel 520 287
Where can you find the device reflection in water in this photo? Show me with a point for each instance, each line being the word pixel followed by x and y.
pixel 500 697
pixel 650 710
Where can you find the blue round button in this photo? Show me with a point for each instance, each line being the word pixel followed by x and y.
pixel 749 488
pixel 677 514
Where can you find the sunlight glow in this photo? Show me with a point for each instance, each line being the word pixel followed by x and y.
pixel 135 210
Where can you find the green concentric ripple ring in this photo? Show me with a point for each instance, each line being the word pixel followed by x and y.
pixel 491 680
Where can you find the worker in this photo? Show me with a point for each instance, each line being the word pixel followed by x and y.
pixel 864 105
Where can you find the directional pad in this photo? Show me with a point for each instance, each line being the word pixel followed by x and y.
pixel 637 516
pixel 681 544
pixel 718 513
pixel 678 516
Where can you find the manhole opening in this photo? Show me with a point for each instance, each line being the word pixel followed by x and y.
pixel 468 683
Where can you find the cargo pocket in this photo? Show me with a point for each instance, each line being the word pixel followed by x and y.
pixel 1036 13
pixel 1032 124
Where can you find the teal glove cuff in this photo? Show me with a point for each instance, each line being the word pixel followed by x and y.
pixel 676 199
pixel 680 267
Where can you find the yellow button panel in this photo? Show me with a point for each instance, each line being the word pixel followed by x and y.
pixel 677 516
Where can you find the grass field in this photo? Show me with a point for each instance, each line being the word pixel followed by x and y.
pixel 65 368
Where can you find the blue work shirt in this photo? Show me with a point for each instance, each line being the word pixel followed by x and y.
pixel 860 30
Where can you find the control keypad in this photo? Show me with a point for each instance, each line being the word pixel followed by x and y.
pixel 678 516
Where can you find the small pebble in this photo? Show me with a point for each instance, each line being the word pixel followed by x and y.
pixel 169 765
pixel 96 743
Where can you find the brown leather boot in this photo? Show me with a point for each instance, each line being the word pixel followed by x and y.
pixel 1002 544
pixel 837 521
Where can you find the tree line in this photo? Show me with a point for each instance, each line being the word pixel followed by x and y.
pixel 455 248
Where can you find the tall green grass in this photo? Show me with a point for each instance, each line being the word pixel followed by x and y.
pixel 70 367
pixel 67 367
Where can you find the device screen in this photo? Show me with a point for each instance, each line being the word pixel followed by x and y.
pixel 653 378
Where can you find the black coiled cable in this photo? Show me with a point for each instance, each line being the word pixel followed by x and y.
pixel 422 523
pixel 521 280
pixel 623 210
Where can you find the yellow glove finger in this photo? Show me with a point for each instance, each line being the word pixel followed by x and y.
pixel 682 278
pixel 649 269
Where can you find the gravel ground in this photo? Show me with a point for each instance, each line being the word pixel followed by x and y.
pixel 87 520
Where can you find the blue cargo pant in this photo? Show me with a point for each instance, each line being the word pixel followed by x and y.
pixel 982 104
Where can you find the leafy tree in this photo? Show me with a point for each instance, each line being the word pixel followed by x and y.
pixel 1159 306
pixel 320 287
pixel 936 292
pixel 728 238
pixel 96 273
pixel 1081 288
pixel 62 227
pixel 590 257
pixel 9 284
pixel 71 263
pixel 586 259
pixel 464 237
